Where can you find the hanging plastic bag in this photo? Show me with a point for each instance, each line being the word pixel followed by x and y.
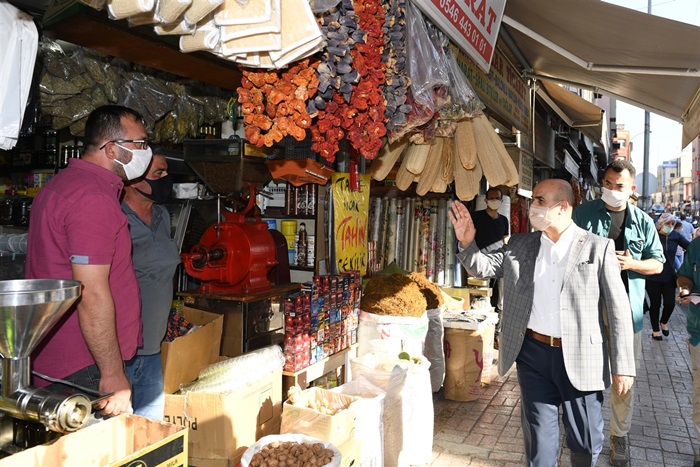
pixel 425 80
pixel 461 101
pixel 20 40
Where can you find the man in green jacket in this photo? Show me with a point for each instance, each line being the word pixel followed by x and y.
pixel 640 253
pixel 689 282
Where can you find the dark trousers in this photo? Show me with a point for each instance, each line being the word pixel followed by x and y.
pixel 657 290
pixel 544 387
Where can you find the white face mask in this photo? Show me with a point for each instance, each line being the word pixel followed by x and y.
pixel 614 198
pixel 493 204
pixel 140 158
pixel 538 217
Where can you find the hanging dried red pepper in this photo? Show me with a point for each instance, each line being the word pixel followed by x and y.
pixel 273 103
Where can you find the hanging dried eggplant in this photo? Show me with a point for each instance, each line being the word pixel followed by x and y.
pixel 394 56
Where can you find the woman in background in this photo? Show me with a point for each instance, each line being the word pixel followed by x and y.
pixel 664 284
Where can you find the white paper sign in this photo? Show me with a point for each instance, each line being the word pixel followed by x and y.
pixel 471 24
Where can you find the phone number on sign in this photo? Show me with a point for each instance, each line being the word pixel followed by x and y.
pixel 455 14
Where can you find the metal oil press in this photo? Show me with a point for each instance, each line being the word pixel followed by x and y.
pixel 31 416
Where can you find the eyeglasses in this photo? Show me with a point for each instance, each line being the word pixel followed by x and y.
pixel 141 143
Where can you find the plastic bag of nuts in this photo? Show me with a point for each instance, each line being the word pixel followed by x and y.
pixel 291 450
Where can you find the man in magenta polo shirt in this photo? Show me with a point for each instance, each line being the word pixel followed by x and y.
pixel 78 231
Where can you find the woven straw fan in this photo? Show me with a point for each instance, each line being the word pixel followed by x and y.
pixel 415 158
pixel 506 161
pixel 465 146
pixel 432 169
pixel 489 158
pixel 404 177
pixel 467 182
pixel 387 157
pixel 448 160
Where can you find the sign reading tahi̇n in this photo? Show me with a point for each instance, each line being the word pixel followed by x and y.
pixel 472 24
pixel 350 216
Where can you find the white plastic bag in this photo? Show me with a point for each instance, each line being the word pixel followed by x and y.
pixel 408 406
pixel 17 56
pixel 435 348
pixel 391 334
pixel 264 441
pixel 369 425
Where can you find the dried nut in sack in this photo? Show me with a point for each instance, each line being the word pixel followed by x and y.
pixel 288 454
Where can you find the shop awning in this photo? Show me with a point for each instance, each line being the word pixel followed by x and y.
pixel 574 110
pixel 647 61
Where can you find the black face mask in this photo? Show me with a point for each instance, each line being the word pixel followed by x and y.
pixel 160 189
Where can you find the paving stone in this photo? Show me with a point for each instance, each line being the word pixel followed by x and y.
pixel 487 432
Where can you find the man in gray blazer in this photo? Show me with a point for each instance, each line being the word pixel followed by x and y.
pixel 562 286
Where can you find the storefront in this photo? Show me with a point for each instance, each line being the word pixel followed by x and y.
pixel 310 209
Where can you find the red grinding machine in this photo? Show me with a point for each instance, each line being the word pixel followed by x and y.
pixel 242 267
pixel 237 255
pixel 234 256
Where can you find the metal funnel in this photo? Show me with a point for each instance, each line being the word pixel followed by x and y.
pixel 29 309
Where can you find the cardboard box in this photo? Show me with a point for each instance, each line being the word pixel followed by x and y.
pixel 187 355
pixel 335 429
pixel 351 452
pixel 223 426
pixel 126 440
pixel 196 462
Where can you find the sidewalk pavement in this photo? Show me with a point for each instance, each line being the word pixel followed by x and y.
pixel 487 432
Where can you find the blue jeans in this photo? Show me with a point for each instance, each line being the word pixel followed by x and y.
pixel 146 376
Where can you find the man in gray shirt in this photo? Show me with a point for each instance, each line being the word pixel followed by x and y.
pixel 155 258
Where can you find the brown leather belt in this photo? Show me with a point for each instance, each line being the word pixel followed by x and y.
pixel 549 340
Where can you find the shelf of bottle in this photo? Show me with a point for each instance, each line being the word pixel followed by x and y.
pixel 277 215
pixel 301 268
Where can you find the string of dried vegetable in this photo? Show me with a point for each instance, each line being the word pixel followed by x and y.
pixel 394 56
pixel 274 104
pixel 367 101
pixel 336 78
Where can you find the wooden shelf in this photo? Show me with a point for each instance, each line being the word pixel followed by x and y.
pixel 273 291
pixel 93 29
pixel 276 215
pixel 320 368
pixel 302 268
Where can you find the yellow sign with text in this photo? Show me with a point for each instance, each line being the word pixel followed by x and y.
pixel 350 217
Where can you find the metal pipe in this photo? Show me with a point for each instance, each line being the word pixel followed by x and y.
pixel 60 412
pixel 646 202
pixel 15 375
